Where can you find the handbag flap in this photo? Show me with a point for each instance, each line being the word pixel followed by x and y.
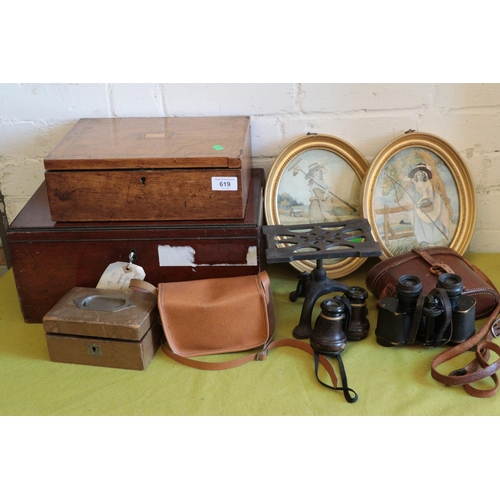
pixel 214 316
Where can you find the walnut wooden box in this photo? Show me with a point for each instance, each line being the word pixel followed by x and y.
pixel 50 258
pixel 137 169
pixel 116 329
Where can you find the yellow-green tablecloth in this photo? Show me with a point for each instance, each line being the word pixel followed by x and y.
pixel 389 381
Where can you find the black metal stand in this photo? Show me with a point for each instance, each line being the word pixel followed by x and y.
pixel 312 286
pixel 344 239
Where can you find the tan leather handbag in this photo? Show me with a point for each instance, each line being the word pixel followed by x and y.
pixel 228 315
pixel 216 316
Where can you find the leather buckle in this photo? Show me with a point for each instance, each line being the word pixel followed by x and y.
pixel 440 268
pixel 494 332
pixel 262 355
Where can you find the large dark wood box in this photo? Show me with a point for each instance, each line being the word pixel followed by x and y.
pixel 133 169
pixel 50 258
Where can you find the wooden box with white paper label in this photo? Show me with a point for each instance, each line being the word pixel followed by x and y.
pixel 50 258
pixel 136 169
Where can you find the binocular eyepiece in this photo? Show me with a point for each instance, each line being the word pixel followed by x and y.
pixel 442 316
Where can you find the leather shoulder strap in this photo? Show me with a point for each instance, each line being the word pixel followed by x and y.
pixel 259 356
pixel 142 286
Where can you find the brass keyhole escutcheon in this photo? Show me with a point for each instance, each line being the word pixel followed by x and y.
pixel 94 350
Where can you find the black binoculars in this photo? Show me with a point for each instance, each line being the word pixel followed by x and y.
pixel 442 316
pixel 342 318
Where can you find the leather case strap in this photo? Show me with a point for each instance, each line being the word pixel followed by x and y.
pixel 481 343
pixel 436 267
pixel 479 369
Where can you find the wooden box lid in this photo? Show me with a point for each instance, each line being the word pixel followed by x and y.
pixel 102 313
pixel 130 143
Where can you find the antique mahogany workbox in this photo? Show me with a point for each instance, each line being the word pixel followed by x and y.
pixel 50 258
pixel 180 168
pixel 113 328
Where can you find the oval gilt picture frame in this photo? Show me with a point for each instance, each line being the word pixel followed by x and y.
pixel 419 193
pixel 315 179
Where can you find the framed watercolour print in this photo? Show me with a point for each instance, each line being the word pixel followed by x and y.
pixel 419 193
pixel 316 179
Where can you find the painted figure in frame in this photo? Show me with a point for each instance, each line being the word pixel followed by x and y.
pixel 416 201
pixel 432 210
pixel 318 186
pixel 319 194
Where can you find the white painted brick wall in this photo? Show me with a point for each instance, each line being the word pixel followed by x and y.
pixel 35 117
